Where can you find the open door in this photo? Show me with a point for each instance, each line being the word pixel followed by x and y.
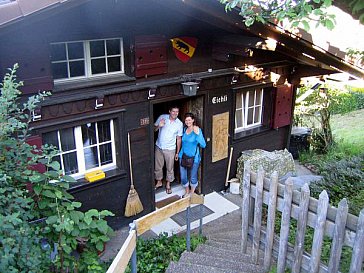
pixel 191 104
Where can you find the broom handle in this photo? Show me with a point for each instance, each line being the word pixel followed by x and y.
pixel 228 170
pixel 130 166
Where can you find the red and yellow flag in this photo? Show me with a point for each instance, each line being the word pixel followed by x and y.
pixel 184 47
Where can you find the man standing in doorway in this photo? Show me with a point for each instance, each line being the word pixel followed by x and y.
pixel 168 146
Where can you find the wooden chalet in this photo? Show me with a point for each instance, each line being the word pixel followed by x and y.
pixel 114 66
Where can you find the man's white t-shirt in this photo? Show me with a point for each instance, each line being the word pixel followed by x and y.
pixel 168 133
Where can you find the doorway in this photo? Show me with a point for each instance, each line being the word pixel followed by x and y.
pixel 190 104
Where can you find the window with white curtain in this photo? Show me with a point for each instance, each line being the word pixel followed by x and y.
pixel 84 148
pixel 248 109
pixel 85 59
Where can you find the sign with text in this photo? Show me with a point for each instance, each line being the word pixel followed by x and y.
pixel 219 99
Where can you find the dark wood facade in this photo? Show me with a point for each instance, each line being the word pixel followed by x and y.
pixel 135 99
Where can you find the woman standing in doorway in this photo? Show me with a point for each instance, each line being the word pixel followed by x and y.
pixel 192 138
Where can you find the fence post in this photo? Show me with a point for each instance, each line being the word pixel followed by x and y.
pixel 270 221
pixel 133 261
pixel 245 207
pixel 318 235
pixel 301 228
pixel 200 227
pixel 258 214
pixel 188 232
pixel 286 215
pixel 358 249
pixel 339 236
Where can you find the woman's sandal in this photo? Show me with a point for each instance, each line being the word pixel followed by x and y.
pixel 168 190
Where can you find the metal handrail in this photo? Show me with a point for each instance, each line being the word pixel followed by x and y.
pixel 145 223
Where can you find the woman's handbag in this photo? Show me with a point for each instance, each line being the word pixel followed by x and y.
pixel 187 161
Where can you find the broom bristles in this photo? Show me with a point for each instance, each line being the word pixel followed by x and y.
pixel 133 203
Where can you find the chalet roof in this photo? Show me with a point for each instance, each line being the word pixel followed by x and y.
pixel 301 47
pixel 13 10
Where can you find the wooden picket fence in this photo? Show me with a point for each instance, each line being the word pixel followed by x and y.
pixel 343 228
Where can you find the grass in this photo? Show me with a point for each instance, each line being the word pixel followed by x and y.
pixel 348 130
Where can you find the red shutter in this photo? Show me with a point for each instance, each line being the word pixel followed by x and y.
pixel 150 55
pixel 283 106
pixel 36 141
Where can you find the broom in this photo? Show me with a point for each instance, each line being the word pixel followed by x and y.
pixel 133 204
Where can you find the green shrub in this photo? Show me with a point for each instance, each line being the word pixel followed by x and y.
pixel 62 226
pixel 346 101
pixel 20 241
pixel 342 179
pixel 154 255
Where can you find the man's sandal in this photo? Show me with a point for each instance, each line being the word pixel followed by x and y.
pixel 156 187
pixel 168 190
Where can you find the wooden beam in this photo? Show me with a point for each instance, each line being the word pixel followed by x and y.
pixel 146 222
pixel 197 199
pixel 121 260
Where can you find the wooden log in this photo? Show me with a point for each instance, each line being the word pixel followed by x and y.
pixel 339 236
pixel 301 229
pixel 245 206
pixel 121 260
pixel 318 235
pixel 358 249
pixel 271 221
pixel 257 215
pixel 285 224
pixel 146 222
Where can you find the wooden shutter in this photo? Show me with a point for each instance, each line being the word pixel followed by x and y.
pixel 283 106
pixel 150 55
pixel 36 140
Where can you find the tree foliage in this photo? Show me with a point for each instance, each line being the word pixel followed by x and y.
pixel 298 13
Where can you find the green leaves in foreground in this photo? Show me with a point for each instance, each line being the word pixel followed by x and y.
pixel 298 13
pixel 154 255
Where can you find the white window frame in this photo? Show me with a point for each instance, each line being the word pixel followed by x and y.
pixel 246 96
pixel 80 151
pixel 87 60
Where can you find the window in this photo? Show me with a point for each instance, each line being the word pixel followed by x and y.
pixel 248 109
pixel 84 59
pixel 84 148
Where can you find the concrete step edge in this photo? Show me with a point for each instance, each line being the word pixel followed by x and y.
pixel 182 267
pixel 219 262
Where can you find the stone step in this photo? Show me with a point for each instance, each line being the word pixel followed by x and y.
pixel 220 262
pixel 225 241
pixel 181 267
pixel 232 246
pixel 233 236
pixel 228 221
pixel 224 234
pixel 232 255
pixel 220 252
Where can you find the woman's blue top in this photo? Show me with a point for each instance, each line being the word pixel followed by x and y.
pixel 189 144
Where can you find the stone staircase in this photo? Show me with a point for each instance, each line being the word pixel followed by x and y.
pixel 221 253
